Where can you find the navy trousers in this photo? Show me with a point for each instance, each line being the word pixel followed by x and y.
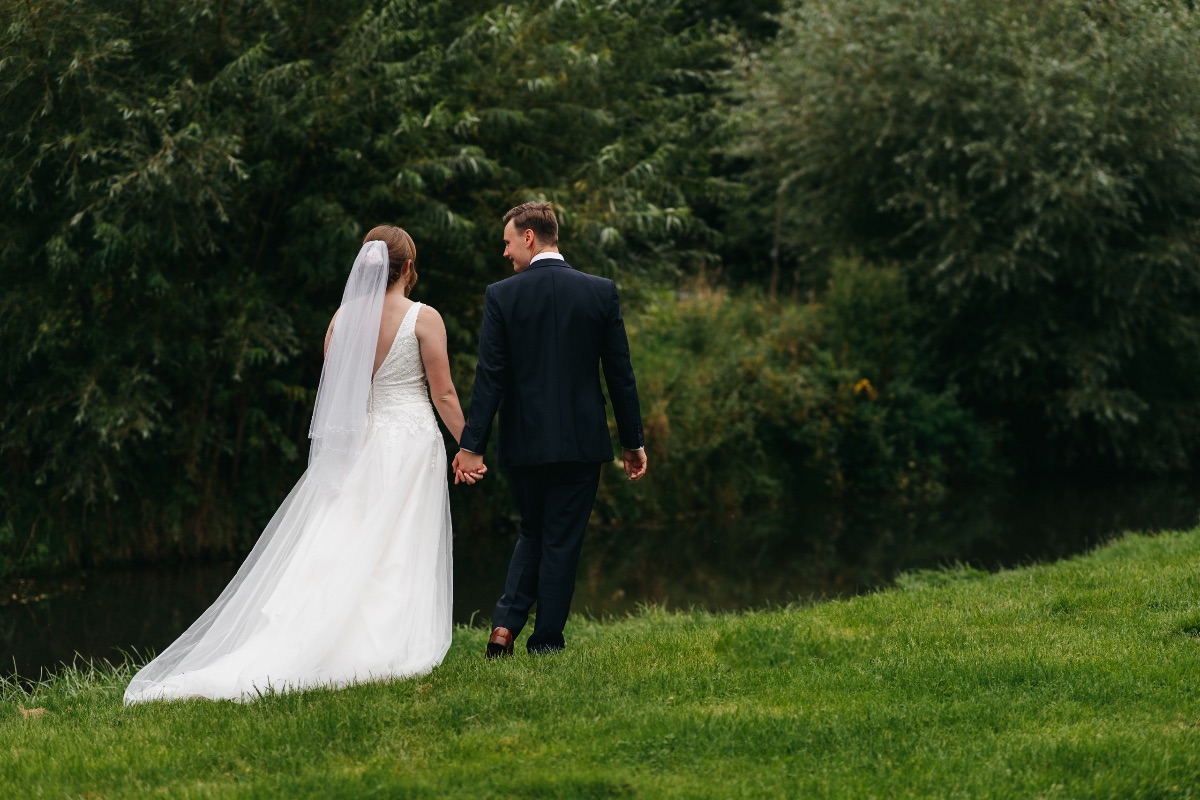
pixel 555 501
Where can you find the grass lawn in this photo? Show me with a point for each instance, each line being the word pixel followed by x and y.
pixel 1075 679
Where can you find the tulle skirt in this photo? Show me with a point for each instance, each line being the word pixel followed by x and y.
pixel 343 586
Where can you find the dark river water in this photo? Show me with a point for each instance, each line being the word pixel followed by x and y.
pixel 720 563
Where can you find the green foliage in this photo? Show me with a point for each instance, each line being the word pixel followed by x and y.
pixel 1073 679
pixel 748 401
pixel 185 186
pixel 901 441
pixel 1035 168
pixel 990 208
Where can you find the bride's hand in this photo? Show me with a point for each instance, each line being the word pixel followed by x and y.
pixel 468 467
pixel 469 477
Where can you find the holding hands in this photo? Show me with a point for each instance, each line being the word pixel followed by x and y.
pixel 468 467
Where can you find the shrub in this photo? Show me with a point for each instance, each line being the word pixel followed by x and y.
pixel 749 402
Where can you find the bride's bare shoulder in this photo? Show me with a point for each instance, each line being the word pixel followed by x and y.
pixel 428 311
pixel 429 321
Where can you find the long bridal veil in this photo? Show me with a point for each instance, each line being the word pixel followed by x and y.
pixel 253 599
pixel 339 421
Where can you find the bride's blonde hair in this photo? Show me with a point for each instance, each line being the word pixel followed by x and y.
pixel 401 250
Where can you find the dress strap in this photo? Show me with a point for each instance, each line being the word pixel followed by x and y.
pixel 408 325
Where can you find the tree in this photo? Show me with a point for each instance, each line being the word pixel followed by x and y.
pixel 1035 166
pixel 186 184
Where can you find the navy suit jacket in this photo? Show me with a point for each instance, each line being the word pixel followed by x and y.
pixel 547 333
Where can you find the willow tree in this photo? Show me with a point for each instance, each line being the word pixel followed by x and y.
pixel 1035 168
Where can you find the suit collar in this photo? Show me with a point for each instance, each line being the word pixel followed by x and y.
pixel 554 261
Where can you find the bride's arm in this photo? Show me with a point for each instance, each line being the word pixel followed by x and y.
pixel 329 332
pixel 431 334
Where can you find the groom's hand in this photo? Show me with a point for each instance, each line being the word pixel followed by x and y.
pixel 635 463
pixel 468 467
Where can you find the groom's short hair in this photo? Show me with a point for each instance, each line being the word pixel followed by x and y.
pixel 537 217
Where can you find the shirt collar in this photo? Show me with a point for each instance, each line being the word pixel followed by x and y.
pixel 541 256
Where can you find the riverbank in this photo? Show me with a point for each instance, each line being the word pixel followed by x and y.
pixel 1074 679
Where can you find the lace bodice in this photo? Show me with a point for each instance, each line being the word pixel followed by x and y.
pixel 400 379
pixel 399 406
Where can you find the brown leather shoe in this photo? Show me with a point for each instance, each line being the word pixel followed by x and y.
pixel 500 643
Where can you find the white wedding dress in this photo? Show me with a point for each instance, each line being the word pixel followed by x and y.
pixel 345 584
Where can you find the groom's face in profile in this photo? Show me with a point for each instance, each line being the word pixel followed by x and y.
pixel 518 247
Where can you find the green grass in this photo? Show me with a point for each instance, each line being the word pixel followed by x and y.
pixel 1076 679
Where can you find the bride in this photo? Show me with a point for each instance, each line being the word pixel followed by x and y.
pixel 351 579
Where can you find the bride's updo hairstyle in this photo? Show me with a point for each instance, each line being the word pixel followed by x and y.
pixel 401 250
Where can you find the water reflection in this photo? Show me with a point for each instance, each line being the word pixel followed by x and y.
pixel 725 563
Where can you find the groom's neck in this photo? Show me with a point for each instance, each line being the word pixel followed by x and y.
pixel 550 252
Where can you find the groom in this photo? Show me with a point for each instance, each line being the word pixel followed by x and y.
pixel 547 333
